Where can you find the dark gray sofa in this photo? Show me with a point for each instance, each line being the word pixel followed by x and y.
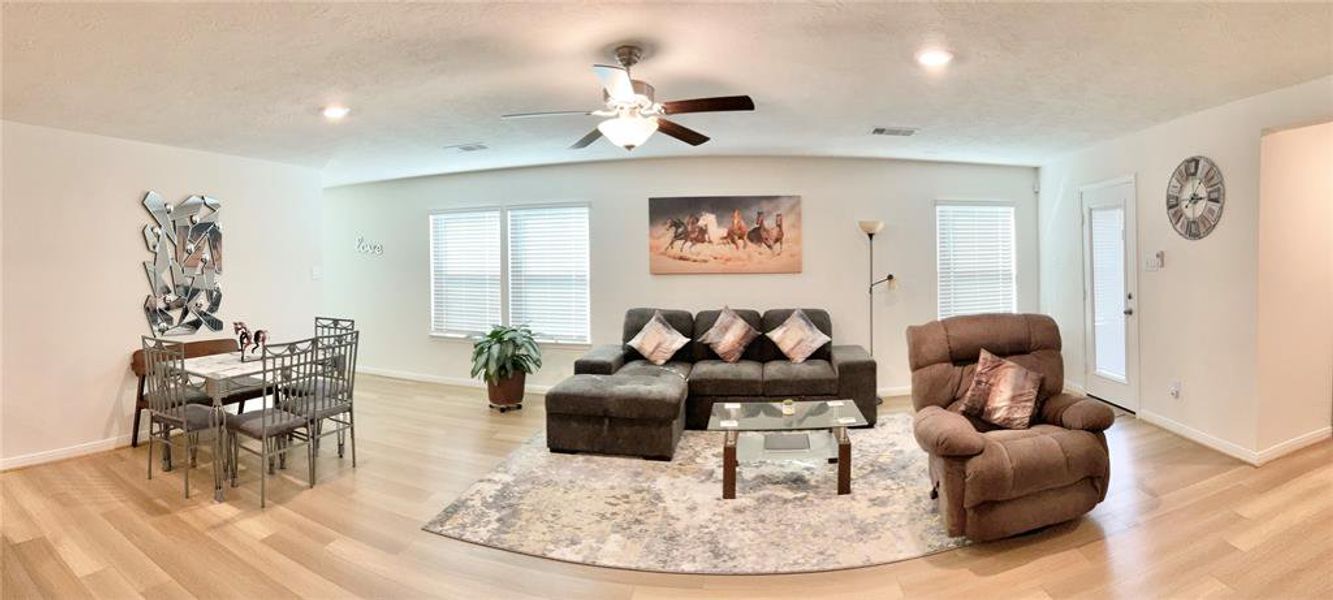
pixel 581 417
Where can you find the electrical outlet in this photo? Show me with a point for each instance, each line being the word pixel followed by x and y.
pixel 1173 389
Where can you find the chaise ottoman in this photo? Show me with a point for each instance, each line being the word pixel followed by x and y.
pixel 632 415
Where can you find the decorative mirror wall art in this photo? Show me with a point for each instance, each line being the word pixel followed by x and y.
pixel 185 274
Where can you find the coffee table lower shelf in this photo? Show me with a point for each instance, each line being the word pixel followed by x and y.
pixel 831 444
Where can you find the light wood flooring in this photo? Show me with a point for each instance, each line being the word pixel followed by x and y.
pixel 1180 521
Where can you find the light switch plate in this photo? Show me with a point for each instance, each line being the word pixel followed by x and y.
pixel 1155 262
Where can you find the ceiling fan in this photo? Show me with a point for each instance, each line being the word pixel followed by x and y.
pixel 632 112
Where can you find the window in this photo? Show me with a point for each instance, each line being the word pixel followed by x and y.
pixel 464 272
pixel 531 271
pixel 975 253
pixel 548 271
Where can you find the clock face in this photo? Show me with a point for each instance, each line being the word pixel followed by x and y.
pixel 1195 197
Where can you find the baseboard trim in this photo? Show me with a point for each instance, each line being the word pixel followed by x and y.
pixel 900 390
pixel 46 456
pixel 1256 458
pixel 1075 388
pixel 1194 435
pixel 1284 448
pixel 441 379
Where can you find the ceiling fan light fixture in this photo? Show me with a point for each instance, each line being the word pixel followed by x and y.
pixel 628 132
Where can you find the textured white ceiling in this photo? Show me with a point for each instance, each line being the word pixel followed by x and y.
pixel 1030 80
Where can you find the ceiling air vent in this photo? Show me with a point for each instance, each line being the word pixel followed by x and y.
pixel 469 147
pixel 893 131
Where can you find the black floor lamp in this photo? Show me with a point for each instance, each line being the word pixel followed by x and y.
pixel 871 228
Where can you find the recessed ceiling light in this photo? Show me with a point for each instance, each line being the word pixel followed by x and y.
pixel 336 112
pixel 934 58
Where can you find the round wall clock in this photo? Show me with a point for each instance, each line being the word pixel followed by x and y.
pixel 1195 197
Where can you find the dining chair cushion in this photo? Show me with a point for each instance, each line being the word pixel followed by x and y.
pixel 253 423
pixel 319 386
pixel 323 411
pixel 189 417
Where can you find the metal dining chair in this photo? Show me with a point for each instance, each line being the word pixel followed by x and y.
pixel 328 397
pixel 287 368
pixel 174 404
pixel 333 325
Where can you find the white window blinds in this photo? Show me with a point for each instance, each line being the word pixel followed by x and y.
pixel 465 272
pixel 548 271
pixel 975 252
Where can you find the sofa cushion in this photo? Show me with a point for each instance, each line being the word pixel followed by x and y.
pixel 643 367
pixel 797 337
pixel 777 316
pixel 680 320
pixel 1002 392
pixel 718 378
pixel 729 335
pixel 1020 462
pixel 813 377
pixel 639 397
pixel 658 341
pixel 758 349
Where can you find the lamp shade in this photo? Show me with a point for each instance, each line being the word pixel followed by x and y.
pixel 628 132
pixel 871 227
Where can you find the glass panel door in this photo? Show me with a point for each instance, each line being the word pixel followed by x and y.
pixel 1107 229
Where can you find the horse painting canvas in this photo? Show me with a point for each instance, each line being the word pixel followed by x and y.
pixel 724 234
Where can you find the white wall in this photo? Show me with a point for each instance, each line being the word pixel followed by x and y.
pixel 1197 317
pixel 1296 285
pixel 388 294
pixel 74 284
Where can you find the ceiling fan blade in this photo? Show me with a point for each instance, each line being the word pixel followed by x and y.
pixel 549 113
pixel 680 132
pixel 719 104
pixel 616 82
pixel 584 141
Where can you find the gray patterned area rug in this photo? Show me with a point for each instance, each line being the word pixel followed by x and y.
pixel 670 517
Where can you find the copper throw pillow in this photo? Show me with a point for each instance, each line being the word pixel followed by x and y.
pixel 729 335
pixel 1002 393
pixel 658 341
pixel 797 337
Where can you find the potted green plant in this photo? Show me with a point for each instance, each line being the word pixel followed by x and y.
pixel 503 358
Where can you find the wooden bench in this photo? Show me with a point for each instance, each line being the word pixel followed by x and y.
pixel 192 350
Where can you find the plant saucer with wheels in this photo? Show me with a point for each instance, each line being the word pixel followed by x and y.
pixel 503 358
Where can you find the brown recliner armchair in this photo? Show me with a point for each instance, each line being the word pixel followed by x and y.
pixel 991 482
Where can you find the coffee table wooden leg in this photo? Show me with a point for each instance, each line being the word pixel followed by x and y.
pixel 844 461
pixel 729 466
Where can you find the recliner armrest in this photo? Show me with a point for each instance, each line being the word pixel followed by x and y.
pixel 1077 412
pixel 943 433
pixel 601 360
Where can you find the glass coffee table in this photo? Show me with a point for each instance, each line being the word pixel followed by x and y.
pixel 814 430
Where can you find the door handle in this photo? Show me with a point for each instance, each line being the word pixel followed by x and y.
pixel 1129 312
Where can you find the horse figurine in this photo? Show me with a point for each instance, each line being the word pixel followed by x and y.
pixel 259 340
pixel 242 336
pixel 246 341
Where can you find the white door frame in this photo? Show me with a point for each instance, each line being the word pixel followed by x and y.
pixel 1124 394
